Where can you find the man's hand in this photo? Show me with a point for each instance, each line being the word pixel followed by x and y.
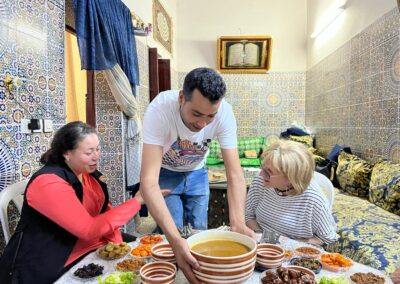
pixel 138 196
pixel 395 276
pixel 243 229
pixel 185 259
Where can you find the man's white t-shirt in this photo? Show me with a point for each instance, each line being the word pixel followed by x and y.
pixel 183 149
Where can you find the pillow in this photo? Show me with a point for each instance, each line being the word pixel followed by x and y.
pixel 353 174
pixel 250 162
pixel 215 150
pixel 250 154
pixel 306 139
pixel 255 143
pixel 384 188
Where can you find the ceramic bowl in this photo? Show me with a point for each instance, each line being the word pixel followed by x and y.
pixel 269 255
pixel 163 252
pixel 312 264
pixel 151 239
pixel 218 269
pixel 336 268
pixel 308 252
pixel 158 272
pixel 292 267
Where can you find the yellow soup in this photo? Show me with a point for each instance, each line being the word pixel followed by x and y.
pixel 220 248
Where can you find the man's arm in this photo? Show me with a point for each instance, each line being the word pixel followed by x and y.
pixel 150 190
pixel 236 191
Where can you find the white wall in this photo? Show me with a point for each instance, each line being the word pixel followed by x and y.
pixel 144 9
pixel 357 16
pixel 201 23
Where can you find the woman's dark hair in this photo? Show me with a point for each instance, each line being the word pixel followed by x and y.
pixel 66 139
pixel 207 81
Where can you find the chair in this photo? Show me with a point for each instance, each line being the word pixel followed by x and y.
pixel 13 192
pixel 326 186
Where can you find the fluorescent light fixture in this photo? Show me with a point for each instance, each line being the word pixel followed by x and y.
pixel 328 19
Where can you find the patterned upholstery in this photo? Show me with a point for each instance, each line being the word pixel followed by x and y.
pixel 353 174
pixel 384 188
pixel 256 144
pixel 366 232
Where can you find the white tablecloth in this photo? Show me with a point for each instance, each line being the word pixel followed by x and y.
pixel 109 267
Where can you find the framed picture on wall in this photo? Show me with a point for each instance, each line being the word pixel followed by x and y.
pixel 244 54
pixel 162 26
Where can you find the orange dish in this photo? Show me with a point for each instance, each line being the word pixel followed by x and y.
pixel 335 262
pixel 151 239
pixel 142 251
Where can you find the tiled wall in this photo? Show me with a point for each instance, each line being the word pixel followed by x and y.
pixel 352 96
pixel 32 48
pixel 265 104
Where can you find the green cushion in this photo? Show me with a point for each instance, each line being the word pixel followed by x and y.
pixel 246 162
pixel 353 174
pixel 214 161
pixel 384 188
pixel 215 149
pixel 255 143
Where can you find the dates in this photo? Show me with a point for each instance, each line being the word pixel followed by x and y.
pixel 287 276
pixel 88 271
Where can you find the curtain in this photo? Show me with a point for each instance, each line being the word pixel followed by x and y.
pixel 106 37
pixel 120 88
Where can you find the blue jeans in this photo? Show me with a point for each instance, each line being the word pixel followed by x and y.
pixel 188 200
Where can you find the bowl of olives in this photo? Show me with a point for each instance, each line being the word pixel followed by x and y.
pixel 312 264
pixel 113 251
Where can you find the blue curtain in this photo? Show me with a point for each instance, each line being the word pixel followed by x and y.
pixel 106 37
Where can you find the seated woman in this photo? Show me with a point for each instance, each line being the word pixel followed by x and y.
pixel 66 211
pixel 284 199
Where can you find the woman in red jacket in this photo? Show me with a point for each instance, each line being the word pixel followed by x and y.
pixel 66 212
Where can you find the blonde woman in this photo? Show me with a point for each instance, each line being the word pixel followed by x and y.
pixel 285 200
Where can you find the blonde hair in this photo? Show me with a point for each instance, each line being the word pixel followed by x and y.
pixel 293 160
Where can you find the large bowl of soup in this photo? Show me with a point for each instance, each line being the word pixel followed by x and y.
pixel 224 257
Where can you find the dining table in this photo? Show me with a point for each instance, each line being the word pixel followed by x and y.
pixel 286 243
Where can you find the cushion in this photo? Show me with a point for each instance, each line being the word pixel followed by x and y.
pixel 250 154
pixel 306 139
pixel 244 162
pixel 353 174
pixel 254 143
pixel 384 188
pixel 215 150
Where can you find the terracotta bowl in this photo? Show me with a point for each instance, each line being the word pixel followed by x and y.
pixel 159 272
pixel 163 252
pixel 220 270
pixel 270 255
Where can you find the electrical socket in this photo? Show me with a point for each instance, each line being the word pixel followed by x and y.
pixel 47 125
pixel 27 124
pixel 24 126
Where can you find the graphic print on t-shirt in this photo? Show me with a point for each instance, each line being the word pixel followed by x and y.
pixel 185 152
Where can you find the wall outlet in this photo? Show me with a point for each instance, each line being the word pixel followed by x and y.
pixel 35 125
pixel 47 125
pixel 24 126
pixel 29 126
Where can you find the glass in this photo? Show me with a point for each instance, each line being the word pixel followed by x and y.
pixel 266 175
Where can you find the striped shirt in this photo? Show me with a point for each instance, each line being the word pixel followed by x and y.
pixel 297 217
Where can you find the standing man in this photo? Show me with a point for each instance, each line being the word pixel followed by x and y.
pixel 178 128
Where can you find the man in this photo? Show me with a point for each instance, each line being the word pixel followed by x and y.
pixel 178 127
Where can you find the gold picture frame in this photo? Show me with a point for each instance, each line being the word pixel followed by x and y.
pixel 244 54
pixel 162 26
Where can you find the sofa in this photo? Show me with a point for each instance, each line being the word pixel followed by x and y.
pixel 367 211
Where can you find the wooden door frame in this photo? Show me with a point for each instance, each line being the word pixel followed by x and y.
pixel 90 91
